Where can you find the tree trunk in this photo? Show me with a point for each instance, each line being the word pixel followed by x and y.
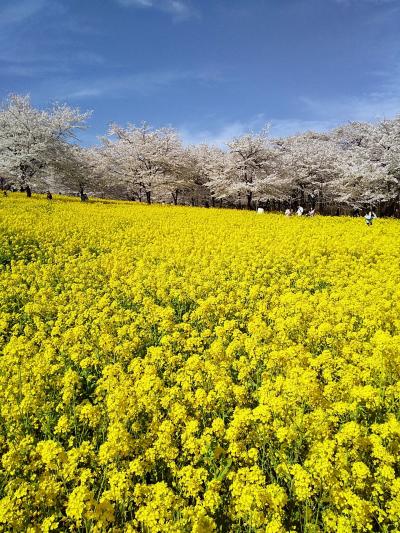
pixel 28 191
pixel 302 196
pixel 249 199
pixel 175 197
pixel 148 197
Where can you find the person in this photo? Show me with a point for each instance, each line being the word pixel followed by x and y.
pixel 28 191
pixel 288 212
pixel 369 217
pixel 299 211
pixel 49 195
pixel 5 192
pixel 311 213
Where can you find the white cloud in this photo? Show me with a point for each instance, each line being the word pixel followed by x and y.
pixel 17 12
pixel 217 137
pixel 278 127
pixel 143 83
pixel 224 130
pixel 87 57
pixel 84 92
pixel 378 2
pixel 25 70
pixel 26 65
pixel 19 59
pixel 292 126
pixel 137 3
pixel 383 102
pixel 368 107
pixel 179 9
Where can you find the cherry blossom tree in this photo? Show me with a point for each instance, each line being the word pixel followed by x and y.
pixel 31 140
pixel 310 166
pixel 76 171
pixel 209 168
pixel 176 178
pixel 146 159
pixel 354 165
pixel 246 169
pixel 371 162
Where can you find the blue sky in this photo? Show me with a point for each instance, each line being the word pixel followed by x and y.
pixel 212 68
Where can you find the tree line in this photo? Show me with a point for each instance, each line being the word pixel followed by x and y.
pixel 354 166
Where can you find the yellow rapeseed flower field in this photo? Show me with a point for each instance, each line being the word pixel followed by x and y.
pixel 172 369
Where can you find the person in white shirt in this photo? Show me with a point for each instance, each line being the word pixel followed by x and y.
pixel 299 211
pixel 369 217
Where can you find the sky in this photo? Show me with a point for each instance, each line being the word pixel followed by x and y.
pixel 212 69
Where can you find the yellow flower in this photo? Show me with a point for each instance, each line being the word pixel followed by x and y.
pixel 166 369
